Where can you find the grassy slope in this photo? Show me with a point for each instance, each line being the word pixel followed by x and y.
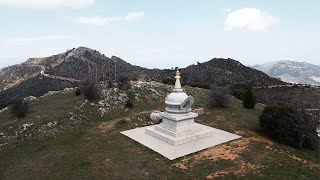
pixel 84 152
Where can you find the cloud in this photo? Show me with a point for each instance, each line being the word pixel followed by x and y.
pixel 251 19
pixel 134 16
pixel 100 21
pixel 29 40
pixel 97 20
pixel 47 4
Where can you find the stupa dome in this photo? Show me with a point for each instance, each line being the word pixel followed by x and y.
pixel 178 102
pixel 176 98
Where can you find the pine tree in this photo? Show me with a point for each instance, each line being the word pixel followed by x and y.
pixel 249 100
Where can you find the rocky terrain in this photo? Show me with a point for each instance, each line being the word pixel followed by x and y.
pixel 112 99
pixel 37 76
pixel 65 136
pixel 292 71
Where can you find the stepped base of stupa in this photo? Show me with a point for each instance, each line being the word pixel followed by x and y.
pixel 177 129
pixel 163 134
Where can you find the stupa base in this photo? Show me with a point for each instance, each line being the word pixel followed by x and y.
pixel 192 133
pixel 215 137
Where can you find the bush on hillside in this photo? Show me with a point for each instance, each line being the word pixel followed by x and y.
pixel 199 85
pixel 91 91
pixel 219 96
pixel 110 84
pixel 290 126
pixel 249 100
pixel 124 83
pixel 131 99
pixel 77 92
pixel 169 81
pixel 239 93
pixel 19 108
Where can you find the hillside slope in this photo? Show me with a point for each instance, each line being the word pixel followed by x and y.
pixel 66 137
pixel 292 71
pixel 37 76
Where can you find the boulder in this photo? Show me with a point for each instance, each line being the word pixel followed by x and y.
pixel 30 98
pixel 155 117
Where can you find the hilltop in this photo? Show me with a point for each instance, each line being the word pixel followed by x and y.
pixel 37 76
pixel 67 137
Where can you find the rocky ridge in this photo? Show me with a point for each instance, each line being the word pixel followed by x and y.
pixel 37 76
pixel 292 71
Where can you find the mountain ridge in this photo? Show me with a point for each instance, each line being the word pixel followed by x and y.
pixel 69 68
pixel 292 71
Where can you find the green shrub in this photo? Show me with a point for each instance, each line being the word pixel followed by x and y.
pixel 77 92
pixel 91 91
pixel 169 81
pixel 290 126
pixel 20 108
pixel 124 83
pixel 249 100
pixel 219 96
pixel 239 93
pixel 131 99
pixel 110 84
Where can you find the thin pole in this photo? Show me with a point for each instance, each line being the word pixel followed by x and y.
pixel 89 72
pixel 103 71
pixel 115 71
pixel 96 74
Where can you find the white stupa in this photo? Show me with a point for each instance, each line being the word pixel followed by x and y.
pixel 178 126
pixel 178 135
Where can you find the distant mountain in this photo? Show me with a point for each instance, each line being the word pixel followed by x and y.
pixel 224 72
pixel 292 71
pixel 37 76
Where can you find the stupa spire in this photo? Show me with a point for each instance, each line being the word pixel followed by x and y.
pixel 177 85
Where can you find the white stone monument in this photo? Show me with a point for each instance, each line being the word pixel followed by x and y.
pixel 178 135
pixel 178 126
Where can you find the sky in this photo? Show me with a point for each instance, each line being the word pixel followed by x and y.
pixel 162 34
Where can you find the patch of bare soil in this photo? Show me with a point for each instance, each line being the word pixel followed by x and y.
pixel 107 161
pixel 217 174
pixel 290 155
pixel 231 151
pixel 255 136
pixel 181 166
pixel 220 118
pixel 107 126
pixel 243 169
pixel 305 162
pixel 220 152
pixel 226 152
